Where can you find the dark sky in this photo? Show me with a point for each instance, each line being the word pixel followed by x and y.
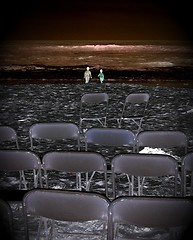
pixel 97 20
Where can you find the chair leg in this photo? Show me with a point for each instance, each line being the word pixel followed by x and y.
pixel 22 180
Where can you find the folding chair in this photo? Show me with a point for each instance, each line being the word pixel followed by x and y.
pixel 20 160
pixel 134 109
pixel 98 102
pixel 8 134
pixel 76 162
pixel 142 166
pixel 174 215
pixel 69 206
pixel 6 220
pixel 162 139
pixel 112 137
pixel 54 131
pixel 187 171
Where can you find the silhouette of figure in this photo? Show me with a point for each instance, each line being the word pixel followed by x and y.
pixel 101 76
pixel 87 75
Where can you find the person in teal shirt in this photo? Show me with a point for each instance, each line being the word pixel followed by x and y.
pixel 101 76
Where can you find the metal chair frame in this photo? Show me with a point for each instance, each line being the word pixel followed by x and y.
pixel 21 160
pixel 91 100
pixel 76 162
pixel 162 139
pixel 8 133
pixel 110 137
pixel 174 214
pixel 6 220
pixel 133 101
pixel 54 131
pixel 69 206
pixel 187 170
pixel 142 166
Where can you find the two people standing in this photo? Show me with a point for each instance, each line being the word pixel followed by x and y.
pixel 88 75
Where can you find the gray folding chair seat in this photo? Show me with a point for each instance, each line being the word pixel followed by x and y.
pixel 142 166
pixel 94 107
pixel 187 171
pixel 6 220
pixel 8 134
pixel 110 137
pixel 76 162
pixel 172 214
pixel 134 109
pixel 21 161
pixel 54 131
pixel 162 139
pixel 69 206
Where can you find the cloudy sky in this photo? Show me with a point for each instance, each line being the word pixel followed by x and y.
pixel 101 19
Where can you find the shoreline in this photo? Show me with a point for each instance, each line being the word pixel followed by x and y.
pixel 40 74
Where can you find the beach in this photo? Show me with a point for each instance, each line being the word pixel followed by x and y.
pixel 32 93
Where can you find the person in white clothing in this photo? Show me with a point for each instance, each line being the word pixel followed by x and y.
pixel 87 75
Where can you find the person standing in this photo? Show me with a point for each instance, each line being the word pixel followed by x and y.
pixel 101 76
pixel 87 75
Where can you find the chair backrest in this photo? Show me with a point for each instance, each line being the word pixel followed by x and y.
pixel 137 98
pixel 134 109
pixel 144 165
pixel 99 103
pixel 75 162
pixel 162 139
pixel 65 205
pixel 20 160
pixel 54 131
pixel 8 134
pixel 94 98
pixel 6 220
pixel 187 169
pixel 110 137
pixel 16 160
pixel 151 212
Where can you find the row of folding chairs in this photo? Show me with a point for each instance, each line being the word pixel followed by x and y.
pixel 58 213
pixel 132 111
pixel 86 168
pixel 99 136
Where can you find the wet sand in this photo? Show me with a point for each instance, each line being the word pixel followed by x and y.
pixel 162 76
pixel 31 96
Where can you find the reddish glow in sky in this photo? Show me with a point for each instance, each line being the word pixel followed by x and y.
pixel 104 20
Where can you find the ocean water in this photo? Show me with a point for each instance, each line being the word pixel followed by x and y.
pixel 96 54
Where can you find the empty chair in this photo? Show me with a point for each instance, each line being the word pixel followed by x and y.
pixel 78 163
pixel 187 171
pixel 21 161
pixel 6 220
pixel 54 131
pixel 162 139
pixel 68 206
pixel 110 137
pixel 142 166
pixel 134 109
pixel 94 107
pixel 174 215
pixel 8 134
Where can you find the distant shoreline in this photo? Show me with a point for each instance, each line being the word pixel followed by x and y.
pixel 32 74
